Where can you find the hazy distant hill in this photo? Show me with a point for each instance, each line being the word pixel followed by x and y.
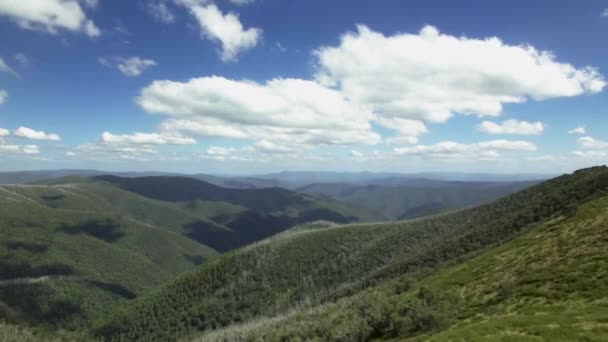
pixel 410 198
pixel 362 281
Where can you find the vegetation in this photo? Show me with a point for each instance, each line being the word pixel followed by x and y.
pixel 73 248
pixel 360 281
pixel 548 284
pixel 415 197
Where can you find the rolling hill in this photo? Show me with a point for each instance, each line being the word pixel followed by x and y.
pixel 74 247
pixel 365 281
pixel 69 252
pixel 397 198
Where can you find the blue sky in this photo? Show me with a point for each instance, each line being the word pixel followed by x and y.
pixel 236 86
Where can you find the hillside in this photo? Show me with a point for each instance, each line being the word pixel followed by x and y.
pixel 247 215
pixel 397 198
pixel 74 247
pixel 68 253
pixel 549 284
pixel 303 272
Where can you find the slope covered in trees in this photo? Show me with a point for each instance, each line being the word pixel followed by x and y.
pixel 410 198
pixel 549 284
pixel 311 272
pixel 68 254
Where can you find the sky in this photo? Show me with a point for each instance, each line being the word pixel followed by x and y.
pixel 256 86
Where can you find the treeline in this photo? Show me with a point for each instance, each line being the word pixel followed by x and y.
pixel 311 268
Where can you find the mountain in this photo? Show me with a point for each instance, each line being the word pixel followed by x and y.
pixel 398 198
pixel 365 281
pixel 73 248
pixel 248 214
pixel 70 252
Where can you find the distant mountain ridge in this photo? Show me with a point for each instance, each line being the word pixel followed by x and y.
pixel 286 179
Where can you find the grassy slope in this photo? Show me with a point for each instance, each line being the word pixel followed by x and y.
pixel 95 256
pixel 308 268
pixel 549 284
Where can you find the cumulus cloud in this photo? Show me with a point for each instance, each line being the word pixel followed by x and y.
pixel 28 133
pixel 578 130
pixel 3 96
pixel 590 154
pixel 242 2
pixel 356 154
pixel 161 11
pixel 132 66
pixel 511 126
pixel 290 112
pixel 409 130
pixel 429 76
pixel 91 3
pixel 226 29
pixel 448 149
pixel 145 139
pixel 12 148
pixel 23 149
pixel 220 151
pixel 591 143
pixel 49 16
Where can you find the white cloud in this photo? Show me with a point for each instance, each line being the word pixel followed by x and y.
pixel 28 133
pixel 6 68
pixel 485 149
pixel 3 96
pixel 21 149
pixel 292 113
pixel 223 28
pixel 242 2
pixel 578 130
pixel 409 130
pixel 71 154
pixel 91 3
pixel 49 16
pixel 145 139
pixel 430 76
pixel 132 66
pixel 161 11
pixel 4 132
pixel 511 126
pixel 605 12
pixel 356 154
pixel 507 145
pixel 591 143
pixel 22 59
pixel 590 154
pixel 220 151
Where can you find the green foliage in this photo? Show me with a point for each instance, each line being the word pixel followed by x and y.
pixel 346 265
pixel 70 252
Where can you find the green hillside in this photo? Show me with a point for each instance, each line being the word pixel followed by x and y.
pixel 549 284
pixel 246 215
pixel 74 247
pixel 69 253
pixel 351 282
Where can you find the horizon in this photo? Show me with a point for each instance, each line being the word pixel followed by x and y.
pixel 233 87
pixel 389 173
